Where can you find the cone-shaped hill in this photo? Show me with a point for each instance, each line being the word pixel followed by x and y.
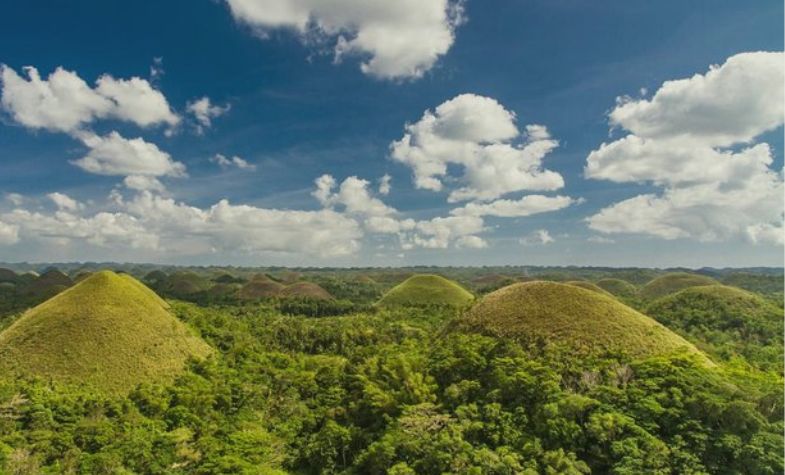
pixel 618 287
pixel 583 321
pixel 673 282
pixel 305 290
pixel 705 311
pixel 109 332
pixel 426 289
pixel 48 284
pixel 260 287
pixel 585 284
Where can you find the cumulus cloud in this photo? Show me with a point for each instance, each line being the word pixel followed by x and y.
pixel 64 202
pixel 65 102
pixel 538 237
pixel 480 136
pixel 234 162
pixel 9 233
pixel 113 154
pixel 397 40
pixel 385 184
pixel 526 206
pixel 143 183
pixel 160 224
pixel 204 111
pixel 695 140
pixel 353 195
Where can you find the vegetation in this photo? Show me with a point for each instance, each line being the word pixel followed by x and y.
pixel 726 322
pixel 579 320
pixel 617 287
pixel 108 332
pixel 673 282
pixel 585 284
pixel 538 377
pixel 424 290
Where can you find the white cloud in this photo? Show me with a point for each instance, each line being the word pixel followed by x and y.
pixel 116 155
pixel 14 198
pixel 353 195
pixel 397 40
pixel 65 102
pixel 163 225
pixel 471 242
pixel 538 237
pixel 385 184
pixel 600 240
pixel 9 234
pixel 144 183
pixel 679 142
pixel 476 133
pixel 732 103
pixel 204 112
pixel 235 161
pixel 64 202
pixel 526 206
pixel 439 233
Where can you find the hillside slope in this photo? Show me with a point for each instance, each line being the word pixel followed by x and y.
pixel 426 289
pixel 109 332
pixel 583 321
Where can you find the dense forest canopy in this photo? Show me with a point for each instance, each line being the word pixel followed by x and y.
pixel 303 385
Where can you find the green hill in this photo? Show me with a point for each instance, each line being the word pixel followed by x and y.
pixel 725 321
pixel 580 320
pixel 585 284
pixel 7 275
pixel 48 284
pixel 109 332
pixel 426 289
pixel 617 287
pixel 183 284
pixel 673 282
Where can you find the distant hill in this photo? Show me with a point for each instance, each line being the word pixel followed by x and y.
pixel 673 282
pixel 585 284
pixel 306 290
pixel 183 284
pixel 109 332
pixel 426 289
pixel 725 321
pixel 48 284
pixel 617 287
pixel 582 321
pixel 260 287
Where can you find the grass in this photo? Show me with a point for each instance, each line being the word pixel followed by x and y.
pixel 584 322
pixel 426 289
pixel 260 288
pixel 673 282
pixel 617 287
pixel 184 283
pixel 585 284
pixel 109 332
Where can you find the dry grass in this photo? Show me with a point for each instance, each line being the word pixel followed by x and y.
pixel 673 282
pixel 426 289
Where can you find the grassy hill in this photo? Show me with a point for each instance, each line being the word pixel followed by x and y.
pixel 673 282
pixel 580 320
pixel 585 284
pixel 109 332
pixel 260 287
pixel 307 290
pixel 617 287
pixel 183 284
pixel 426 289
pixel 725 321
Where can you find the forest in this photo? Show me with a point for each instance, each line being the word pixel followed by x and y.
pixel 345 383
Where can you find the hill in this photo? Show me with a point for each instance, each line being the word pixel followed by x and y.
pixel 673 282
pixel 183 284
pixel 580 320
pixel 109 332
pixel 617 287
pixel 725 321
pixel 426 289
pixel 7 275
pixel 585 284
pixel 48 284
pixel 307 290
pixel 260 287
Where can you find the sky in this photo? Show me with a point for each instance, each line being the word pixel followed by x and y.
pixel 376 133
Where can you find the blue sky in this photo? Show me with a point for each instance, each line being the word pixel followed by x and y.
pixel 294 113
